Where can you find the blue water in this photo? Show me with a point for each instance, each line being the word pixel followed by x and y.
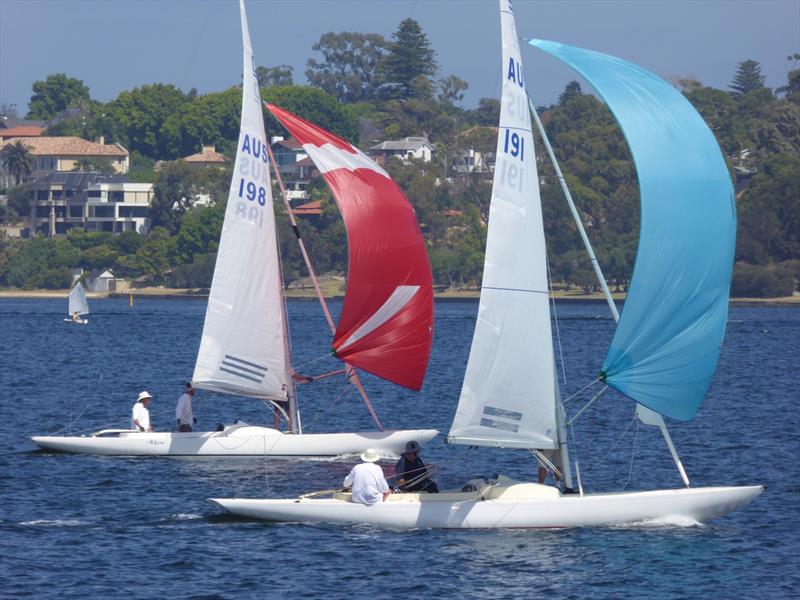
pixel 74 526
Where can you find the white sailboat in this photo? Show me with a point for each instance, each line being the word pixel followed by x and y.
pixel 662 356
pixel 385 328
pixel 78 305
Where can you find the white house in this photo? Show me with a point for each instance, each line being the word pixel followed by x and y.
pixel 406 149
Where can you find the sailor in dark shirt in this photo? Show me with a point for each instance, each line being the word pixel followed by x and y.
pixel 412 474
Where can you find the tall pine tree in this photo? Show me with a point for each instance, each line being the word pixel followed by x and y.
pixel 410 56
pixel 747 78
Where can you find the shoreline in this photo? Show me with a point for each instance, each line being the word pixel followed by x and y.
pixel 308 294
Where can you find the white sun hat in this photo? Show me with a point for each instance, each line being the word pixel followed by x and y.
pixel 143 396
pixel 370 455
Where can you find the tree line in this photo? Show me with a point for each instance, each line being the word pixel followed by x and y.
pixel 366 88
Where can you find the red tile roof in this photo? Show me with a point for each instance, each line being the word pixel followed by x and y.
pixel 309 208
pixel 69 146
pixel 26 131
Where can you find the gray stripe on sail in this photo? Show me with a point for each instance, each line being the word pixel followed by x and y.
pixel 237 367
pixel 499 412
pixel 246 362
pixel 499 425
pixel 240 375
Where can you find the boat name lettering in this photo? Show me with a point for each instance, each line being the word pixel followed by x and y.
pixel 515 72
pixel 517 145
pixel 255 147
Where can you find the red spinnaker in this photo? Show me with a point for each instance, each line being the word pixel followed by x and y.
pixel 386 325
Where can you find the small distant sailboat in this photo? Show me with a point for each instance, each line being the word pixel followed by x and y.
pixel 386 325
pixel 78 305
pixel 664 351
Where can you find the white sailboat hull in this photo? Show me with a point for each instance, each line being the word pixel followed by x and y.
pixel 535 506
pixel 78 321
pixel 233 441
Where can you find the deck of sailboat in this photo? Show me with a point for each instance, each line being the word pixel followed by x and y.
pixel 514 505
pixel 234 441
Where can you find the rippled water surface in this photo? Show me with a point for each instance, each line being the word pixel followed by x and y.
pixel 79 526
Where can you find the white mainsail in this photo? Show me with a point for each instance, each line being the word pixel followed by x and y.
pixel 509 394
pixel 77 300
pixel 244 350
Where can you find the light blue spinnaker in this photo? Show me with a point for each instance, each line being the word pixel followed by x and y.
pixel 667 343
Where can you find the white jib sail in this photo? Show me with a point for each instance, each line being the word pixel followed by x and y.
pixel 508 398
pixel 77 300
pixel 243 350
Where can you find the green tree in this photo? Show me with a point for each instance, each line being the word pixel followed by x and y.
pixel 19 201
pixel 138 116
pixel 347 69
pixel 747 78
pixel 314 105
pixel 199 232
pixel 487 113
pixel 208 119
pixel 153 255
pixel 269 76
pixel 18 160
pixel 55 94
pixel 173 194
pixel 409 56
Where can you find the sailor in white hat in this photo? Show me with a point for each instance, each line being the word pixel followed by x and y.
pixel 367 481
pixel 140 419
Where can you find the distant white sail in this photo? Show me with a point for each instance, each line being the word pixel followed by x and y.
pixel 508 397
pixel 244 350
pixel 77 300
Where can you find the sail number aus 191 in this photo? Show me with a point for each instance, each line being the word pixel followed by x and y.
pixel 514 145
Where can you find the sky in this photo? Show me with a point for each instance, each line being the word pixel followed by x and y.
pixel 116 45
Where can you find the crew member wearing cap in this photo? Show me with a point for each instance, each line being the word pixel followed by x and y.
pixel 412 474
pixel 140 419
pixel 183 412
pixel 367 481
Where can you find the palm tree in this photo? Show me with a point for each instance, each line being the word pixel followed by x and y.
pixel 18 160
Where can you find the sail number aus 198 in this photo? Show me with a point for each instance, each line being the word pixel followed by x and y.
pixel 514 145
pixel 251 191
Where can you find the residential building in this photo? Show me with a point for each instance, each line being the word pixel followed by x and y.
pixel 21 131
pixel 207 157
pixel 418 148
pixel 296 168
pixel 93 201
pixel 64 153
pixel 469 161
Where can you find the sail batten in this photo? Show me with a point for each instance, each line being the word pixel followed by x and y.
pixel 666 346
pixel 386 324
pixel 508 398
pixel 243 349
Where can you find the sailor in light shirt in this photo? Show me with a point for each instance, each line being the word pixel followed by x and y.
pixel 183 412
pixel 367 480
pixel 140 417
